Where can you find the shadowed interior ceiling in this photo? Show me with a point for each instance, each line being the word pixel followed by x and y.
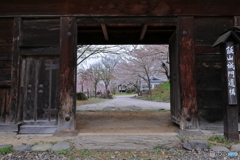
pixel 126 30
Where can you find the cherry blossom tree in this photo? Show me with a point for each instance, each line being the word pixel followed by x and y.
pixel 107 67
pixel 141 63
pixel 126 77
pixel 94 72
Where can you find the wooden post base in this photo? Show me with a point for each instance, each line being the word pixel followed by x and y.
pixel 232 136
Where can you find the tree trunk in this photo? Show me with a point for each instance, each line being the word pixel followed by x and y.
pixel 150 92
pixel 106 87
pixel 95 90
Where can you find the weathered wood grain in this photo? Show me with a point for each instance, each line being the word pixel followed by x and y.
pixel 6 49
pixel 16 59
pixel 119 8
pixel 187 72
pixel 154 8
pixel 124 20
pixel 5 84
pixel 175 94
pixel 30 82
pixel 6 41
pixel 206 49
pixel 66 119
pixel 5 74
pixel 4 105
pixel 26 7
pixel 40 32
pixel 40 51
pixel 5 64
pixel 230 111
pixel 209 66
pixel 237 48
pixel 207 29
pixel 208 72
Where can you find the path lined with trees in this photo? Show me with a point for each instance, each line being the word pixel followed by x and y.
pixel 120 65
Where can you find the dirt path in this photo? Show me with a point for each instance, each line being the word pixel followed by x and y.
pixel 101 122
pixel 125 115
pixel 125 102
pixel 128 122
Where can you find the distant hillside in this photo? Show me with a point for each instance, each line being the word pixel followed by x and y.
pixel 162 93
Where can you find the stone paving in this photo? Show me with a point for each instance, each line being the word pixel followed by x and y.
pixel 165 146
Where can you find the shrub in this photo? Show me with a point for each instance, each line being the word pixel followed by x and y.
pixel 81 96
pixel 6 150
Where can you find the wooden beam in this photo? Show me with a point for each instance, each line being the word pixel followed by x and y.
pixel 144 29
pixel 16 67
pixel 68 51
pixel 124 20
pixel 153 8
pixel 189 118
pixel 105 33
pixel 115 8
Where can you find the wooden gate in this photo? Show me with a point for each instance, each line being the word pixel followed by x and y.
pixel 39 78
pixel 175 81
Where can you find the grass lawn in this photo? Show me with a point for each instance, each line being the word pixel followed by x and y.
pixel 90 101
pixel 160 94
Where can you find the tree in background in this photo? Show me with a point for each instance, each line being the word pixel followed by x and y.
pixel 94 72
pixel 136 64
pixel 162 57
pixel 86 52
pixel 126 77
pixel 141 63
pixel 107 67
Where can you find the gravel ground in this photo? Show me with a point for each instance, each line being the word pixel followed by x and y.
pixel 171 154
pixel 125 101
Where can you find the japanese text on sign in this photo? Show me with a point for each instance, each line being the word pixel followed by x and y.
pixel 232 91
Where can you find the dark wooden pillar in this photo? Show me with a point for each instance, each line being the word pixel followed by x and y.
pixel 15 112
pixel 231 111
pixel 229 92
pixel 68 49
pixel 237 48
pixel 185 35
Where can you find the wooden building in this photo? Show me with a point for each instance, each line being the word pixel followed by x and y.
pixel 38 42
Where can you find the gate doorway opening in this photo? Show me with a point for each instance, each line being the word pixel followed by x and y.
pixel 122 31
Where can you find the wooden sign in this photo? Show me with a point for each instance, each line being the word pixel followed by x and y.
pixel 231 74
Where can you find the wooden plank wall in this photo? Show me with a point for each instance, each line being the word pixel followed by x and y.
pixel 119 7
pixel 40 33
pixel 6 48
pixel 40 37
pixel 175 79
pixel 208 65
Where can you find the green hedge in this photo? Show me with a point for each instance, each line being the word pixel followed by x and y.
pixel 81 96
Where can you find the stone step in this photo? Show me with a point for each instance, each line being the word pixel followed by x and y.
pixel 125 142
pixel 37 129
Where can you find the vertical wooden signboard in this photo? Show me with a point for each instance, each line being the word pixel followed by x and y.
pixel 231 76
pixel 226 42
pixel 230 89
